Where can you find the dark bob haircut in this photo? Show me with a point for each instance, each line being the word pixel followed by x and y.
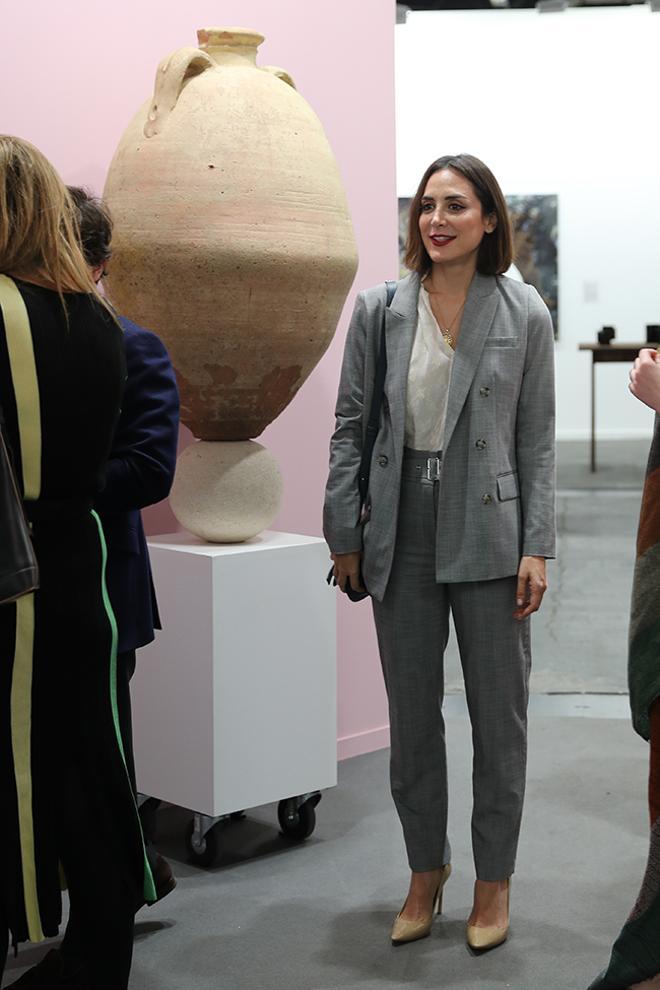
pixel 496 249
pixel 95 224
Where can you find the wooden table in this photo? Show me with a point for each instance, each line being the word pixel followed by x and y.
pixel 606 352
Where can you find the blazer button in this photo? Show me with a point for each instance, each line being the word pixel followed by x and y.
pixel 480 444
pixel 486 499
pixel 383 460
pixel 484 391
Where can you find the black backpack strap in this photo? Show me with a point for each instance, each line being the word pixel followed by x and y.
pixel 376 402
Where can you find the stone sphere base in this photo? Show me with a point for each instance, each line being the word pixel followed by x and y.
pixel 226 492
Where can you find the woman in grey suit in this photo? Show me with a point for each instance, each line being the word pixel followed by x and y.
pixel 459 516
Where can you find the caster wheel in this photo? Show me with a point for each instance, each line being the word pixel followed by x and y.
pixel 206 854
pixel 297 823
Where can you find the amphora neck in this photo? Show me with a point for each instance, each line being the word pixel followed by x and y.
pixel 230 46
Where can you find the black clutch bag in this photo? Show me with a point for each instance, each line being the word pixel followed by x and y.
pixel 370 437
pixel 354 596
pixel 19 573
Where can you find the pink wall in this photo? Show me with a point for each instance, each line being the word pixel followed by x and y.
pixel 71 80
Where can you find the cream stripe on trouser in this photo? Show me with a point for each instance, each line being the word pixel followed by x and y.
pixel 412 623
pixel 28 409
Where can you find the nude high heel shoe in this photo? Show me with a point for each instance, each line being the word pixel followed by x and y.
pixel 404 930
pixel 489 936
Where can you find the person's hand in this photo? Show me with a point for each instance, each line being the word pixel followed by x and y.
pixel 347 566
pixel 532 585
pixel 645 378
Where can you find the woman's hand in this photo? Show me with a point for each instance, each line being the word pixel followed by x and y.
pixel 532 585
pixel 645 378
pixel 347 567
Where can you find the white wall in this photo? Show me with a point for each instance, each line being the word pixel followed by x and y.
pixel 555 103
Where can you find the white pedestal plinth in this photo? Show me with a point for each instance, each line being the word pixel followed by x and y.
pixel 234 704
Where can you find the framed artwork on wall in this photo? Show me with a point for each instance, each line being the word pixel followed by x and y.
pixel 534 219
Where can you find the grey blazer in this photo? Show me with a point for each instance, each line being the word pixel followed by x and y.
pixel 497 481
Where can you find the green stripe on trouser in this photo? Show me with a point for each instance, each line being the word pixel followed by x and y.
pixel 148 889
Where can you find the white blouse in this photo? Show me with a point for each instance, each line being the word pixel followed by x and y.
pixel 429 372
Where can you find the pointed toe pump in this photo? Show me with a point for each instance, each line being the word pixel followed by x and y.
pixel 481 938
pixel 405 930
pixel 488 937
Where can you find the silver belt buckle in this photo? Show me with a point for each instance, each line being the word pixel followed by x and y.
pixel 433 468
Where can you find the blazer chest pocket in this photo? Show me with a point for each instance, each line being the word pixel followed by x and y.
pixel 502 341
pixel 507 486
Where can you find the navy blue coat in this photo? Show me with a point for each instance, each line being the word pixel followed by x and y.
pixel 140 472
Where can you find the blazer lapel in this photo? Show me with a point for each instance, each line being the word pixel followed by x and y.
pixel 400 324
pixel 478 316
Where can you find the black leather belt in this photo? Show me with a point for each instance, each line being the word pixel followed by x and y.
pixel 421 464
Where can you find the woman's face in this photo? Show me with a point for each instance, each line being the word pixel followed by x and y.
pixel 451 222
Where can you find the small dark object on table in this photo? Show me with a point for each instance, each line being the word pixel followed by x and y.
pixel 606 335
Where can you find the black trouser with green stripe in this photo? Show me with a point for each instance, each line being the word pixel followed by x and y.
pixel 101 908
pixel 73 944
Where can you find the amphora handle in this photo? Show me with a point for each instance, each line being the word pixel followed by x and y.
pixel 280 73
pixel 171 75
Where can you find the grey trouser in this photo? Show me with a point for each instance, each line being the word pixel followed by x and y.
pixel 412 623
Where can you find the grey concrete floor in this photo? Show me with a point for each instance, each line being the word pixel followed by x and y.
pixel 621 464
pixel 316 916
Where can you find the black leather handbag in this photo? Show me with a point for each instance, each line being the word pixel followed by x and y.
pixel 370 438
pixel 19 572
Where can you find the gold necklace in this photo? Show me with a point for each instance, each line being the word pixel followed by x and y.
pixel 447 331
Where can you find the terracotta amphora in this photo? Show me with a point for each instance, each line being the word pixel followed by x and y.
pixel 232 234
pixel 232 241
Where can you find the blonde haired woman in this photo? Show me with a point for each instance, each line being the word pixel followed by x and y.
pixel 65 794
